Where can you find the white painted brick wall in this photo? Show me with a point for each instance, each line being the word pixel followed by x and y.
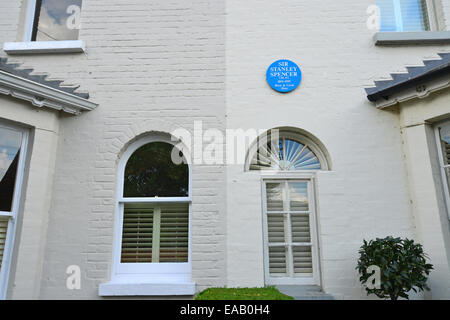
pixel 161 61
pixel 157 65
pixel 446 13
pixel 366 194
pixel 27 263
pixel 9 20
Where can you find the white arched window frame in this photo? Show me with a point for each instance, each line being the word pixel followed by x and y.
pixel 148 272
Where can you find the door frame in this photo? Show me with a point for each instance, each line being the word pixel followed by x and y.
pixel 310 178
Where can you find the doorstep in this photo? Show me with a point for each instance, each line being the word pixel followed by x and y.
pixel 112 289
pixel 299 292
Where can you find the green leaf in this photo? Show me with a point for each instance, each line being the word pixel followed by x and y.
pixel 402 262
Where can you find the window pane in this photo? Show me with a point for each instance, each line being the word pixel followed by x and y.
pixel 275 197
pixel 414 15
pixel 57 20
pixel 150 172
pixel 305 160
pixel 387 15
pixel 155 233
pixel 445 143
pixel 403 15
pixel 302 261
pixel 298 195
pixel 287 154
pixel 3 230
pixel 137 233
pixel 300 228
pixel 174 233
pixel 10 143
pixel 276 227
pixel 277 261
pixel 295 156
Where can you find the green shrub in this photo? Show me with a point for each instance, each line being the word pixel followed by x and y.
pixel 402 264
pixel 266 293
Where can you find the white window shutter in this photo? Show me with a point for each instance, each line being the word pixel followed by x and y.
pixel 277 261
pixel 276 228
pixel 3 230
pixel 300 228
pixel 275 197
pixel 137 234
pixel 174 233
pixel 302 260
pixel 155 233
pixel 288 229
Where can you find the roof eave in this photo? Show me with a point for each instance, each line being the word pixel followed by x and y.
pixel 413 81
pixel 41 95
pixel 420 90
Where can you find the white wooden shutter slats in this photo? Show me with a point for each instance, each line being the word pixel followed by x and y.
pixel 288 229
pixel 300 228
pixel 155 233
pixel 3 230
pixel 276 227
pixel 137 234
pixel 302 260
pixel 277 261
pixel 174 234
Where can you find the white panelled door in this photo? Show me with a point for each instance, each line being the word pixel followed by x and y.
pixel 290 245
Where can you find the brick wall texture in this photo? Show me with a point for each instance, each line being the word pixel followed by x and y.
pixel 160 65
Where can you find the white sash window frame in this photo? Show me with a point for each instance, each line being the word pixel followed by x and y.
pixel 179 272
pixel 442 165
pixel 25 45
pixel 13 215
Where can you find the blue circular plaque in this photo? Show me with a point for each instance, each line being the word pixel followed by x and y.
pixel 284 76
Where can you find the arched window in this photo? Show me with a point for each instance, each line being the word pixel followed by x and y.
pixel 153 213
pixel 286 150
pixel 290 158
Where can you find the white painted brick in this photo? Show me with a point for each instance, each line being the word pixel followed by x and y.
pixel 158 65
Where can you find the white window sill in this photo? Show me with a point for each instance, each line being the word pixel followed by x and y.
pixel 111 289
pixel 32 47
pixel 406 38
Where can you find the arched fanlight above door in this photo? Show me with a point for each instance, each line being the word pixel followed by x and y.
pixel 286 150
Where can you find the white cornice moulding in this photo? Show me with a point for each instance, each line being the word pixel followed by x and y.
pixel 31 47
pixel 420 91
pixel 41 95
